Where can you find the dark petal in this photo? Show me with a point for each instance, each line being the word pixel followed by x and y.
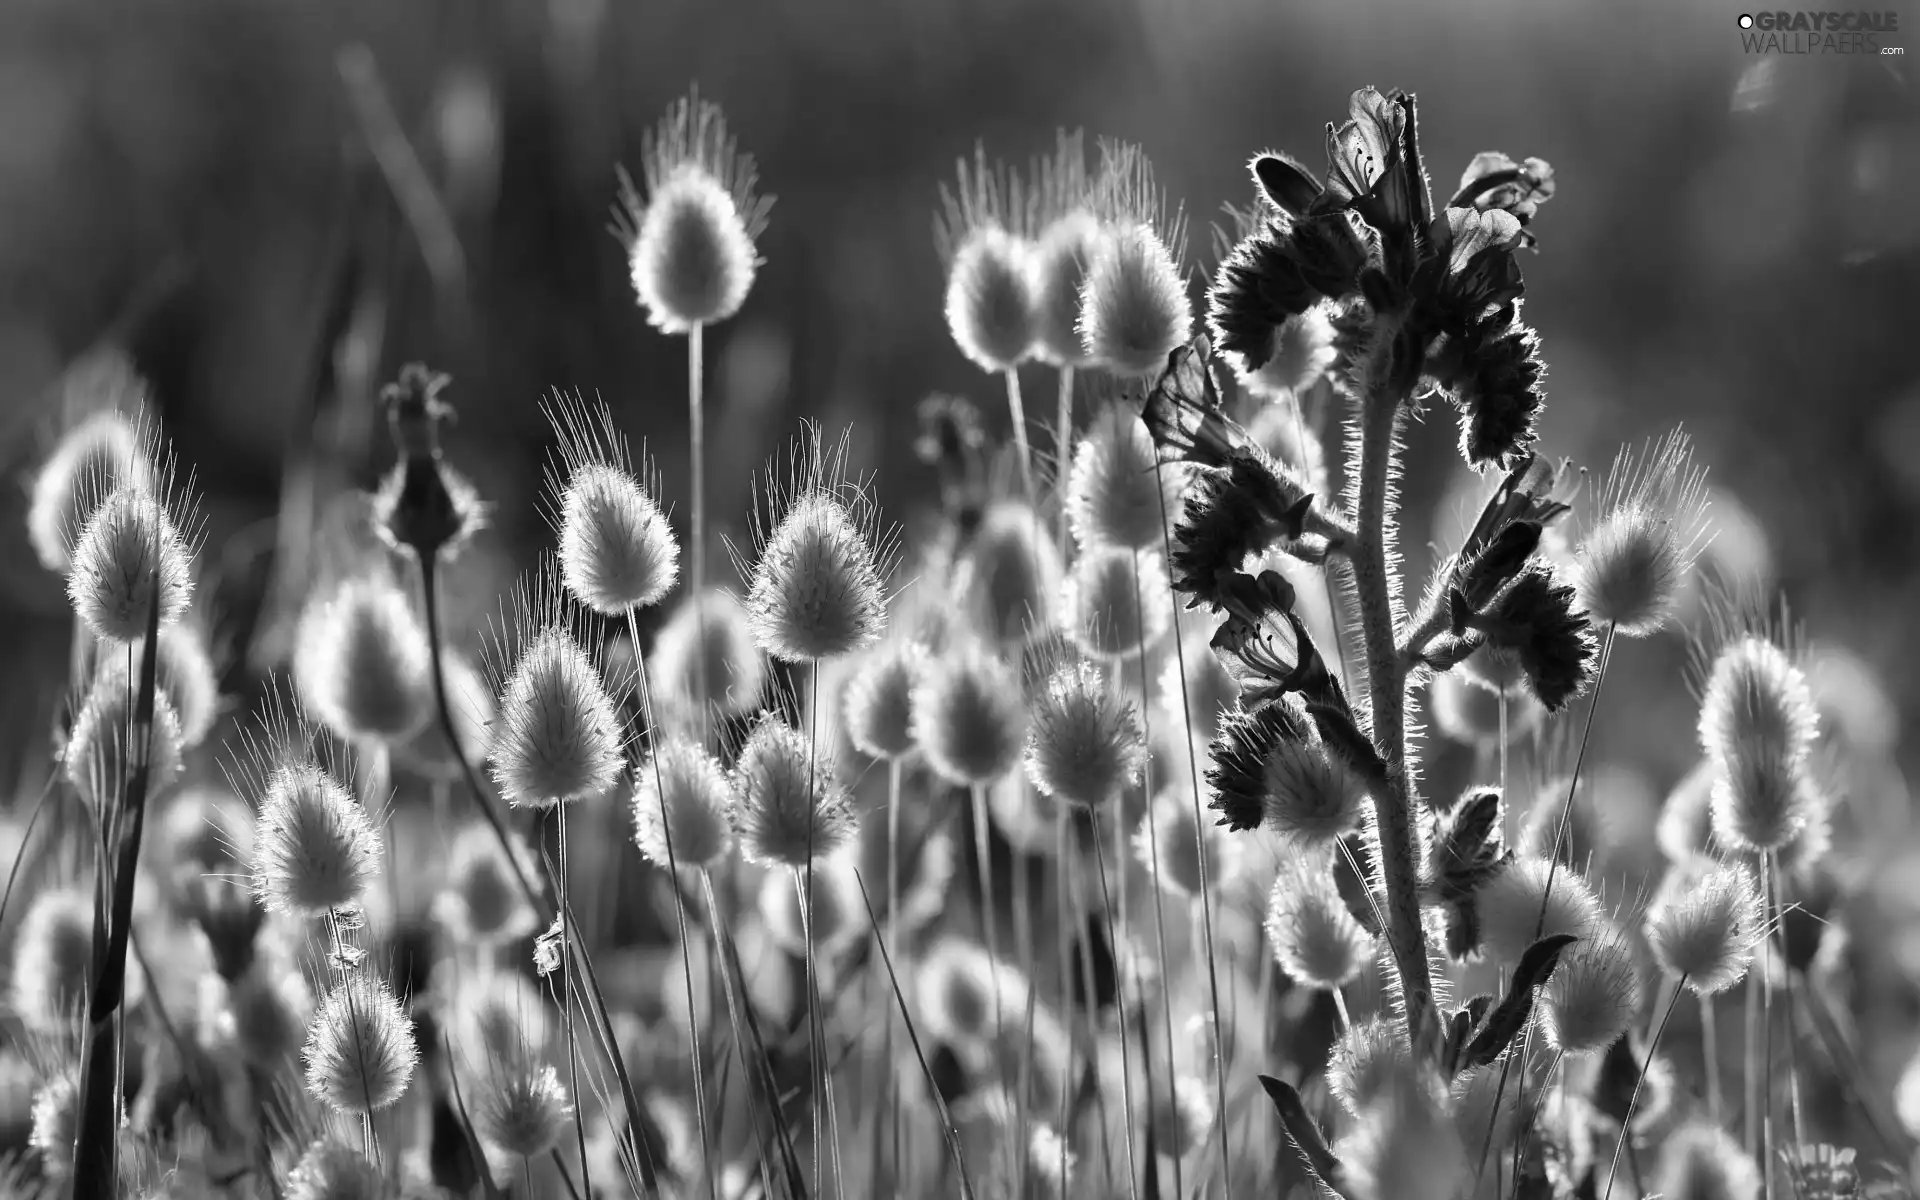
pixel 1258 287
pixel 1500 398
pixel 1286 184
pixel 1329 253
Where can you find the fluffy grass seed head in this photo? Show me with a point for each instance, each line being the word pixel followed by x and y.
pixel 1010 574
pixel 1704 924
pixel 982 236
pixel 520 1109
pixel 878 702
pixel 1651 527
pixel 53 961
pixel 690 240
pixel 102 450
pixel 1761 801
pixel 818 588
pixel 1314 938
pixel 106 741
pixel 1367 1062
pixel 788 804
pixel 617 552
pixel 838 918
pixel 499 1016
pixel 1756 702
pixel 362 662
pixel 1699 1161
pixel 1268 768
pixel 682 792
pixel 1593 995
pixel 1469 714
pixel 56 1124
pixel 1685 828
pixel 187 675
pixel 968 716
pixel 360 1052
pixel 955 992
pixel 481 903
pixel 129 545
pixel 1066 234
pixel 707 638
pixel 1406 1146
pixel 314 848
pixel 1084 745
pixel 557 738
pixel 1511 910
pixel 1117 490
pixel 330 1169
pixel 1169 842
pixel 1117 603
pixel 1134 309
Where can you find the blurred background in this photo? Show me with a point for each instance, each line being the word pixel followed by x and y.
pixel 1735 245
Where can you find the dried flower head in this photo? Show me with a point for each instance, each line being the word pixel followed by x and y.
pixel 99 453
pixel 982 235
pixel 520 1109
pixel 1517 909
pixel 1368 1061
pixel 1699 1161
pixel 1268 767
pixel 690 241
pixel 362 662
pixel 1593 995
pixel 1009 573
pixel 1170 841
pixel 332 1170
pixel 56 1124
pixel 680 800
pixel 314 848
pixel 1084 743
pixel 1314 938
pixel 129 547
pixel 1756 703
pixel 1066 234
pixel 107 741
pixel 360 1052
pixel 1650 528
pixel 617 552
pixel 53 961
pixel 968 717
pixel 788 805
pixel 1134 309
pixel 878 702
pixel 482 903
pixel 557 738
pixel 818 589
pixel 1116 603
pixel 706 641
pixel 1118 492
pixel 1704 924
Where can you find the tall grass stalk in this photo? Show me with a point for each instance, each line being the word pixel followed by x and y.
pixel 1639 1079
pixel 989 911
pixel 1063 452
pixel 1120 1001
pixel 888 1082
pixel 1017 412
pixel 567 987
pixel 1710 1057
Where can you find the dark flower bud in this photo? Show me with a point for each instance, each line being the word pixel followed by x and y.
pixel 1472 848
pixel 1258 287
pixel 422 506
pixel 1286 184
pixel 1499 397
pixel 1329 252
pixel 1535 620
pixel 1479 578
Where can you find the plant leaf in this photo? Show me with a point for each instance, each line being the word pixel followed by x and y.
pixel 1510 1016
pixel 1305 1134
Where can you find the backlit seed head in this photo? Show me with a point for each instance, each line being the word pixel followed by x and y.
pixel 110 446
pixel 499 1016
pixel 1588 833
pixel 1761 801
pixel 128 544
pixel 1084 743
pixel 1118 492
pixel 690 239
pixel 1466 713
pixel 1267 767
pixel 788 805
pixel 706 636
pixel 818 589
pixel 968 717
pixel 362 662
pixel 314 848
pixel 520 1109
pixel 1685 828
pixel 878 700
pixel 1170 841
pixel 1757 704
pixel 53 961
pixel 1593 995
pixel 1513 916
pixel 1134 309
pixel 1314 938
pixel 682 793
pixel 333 1170
pixel 106 741
pixel 1010 574
pixel 360 1051
pixel 982 237
pixel 1650 528
pixel 557 738
pixel 1065 235
pixel 1117 603
pixel 617 552
pixel 56 1124
pixel 1704 924
pixel 1699 1161
pixel 838 918
pixel 1406 1147
pixel 482 903
pixel 186 674
pixel 1367 1062
pixel 955 995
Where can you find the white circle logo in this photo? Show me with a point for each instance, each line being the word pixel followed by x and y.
pixel 1746 21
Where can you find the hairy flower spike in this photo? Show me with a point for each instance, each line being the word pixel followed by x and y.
pixel 968 716
pixel 1651 525
pixel 362 662
pixel 1116 603
pixel 186 675
pixel 1066 235
pixel 129 547
pixel 1367 1062
pixel 788 805
pixel 1084 745
pixel 708 638
pixel 1267 767
pixel 557 738
pixel 56 1124
pixel 1593 995
pixel 617 552
pixel 1513 916
pixel 1134 309
pixel 818 589
pixel 1010 574
pixel 314 848
pixel 1117 491
pixel 683 792
pixel 983 237
pixel 53 961
pixel 1704 924
pixel 106 741
pixel 1757 704
pixel 520 1109
pixel 360 1052
pixel 332 1170
pixel 879 701
pixel 95 458
pixel 690 240
pixel 482 903
pixel 1313 937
